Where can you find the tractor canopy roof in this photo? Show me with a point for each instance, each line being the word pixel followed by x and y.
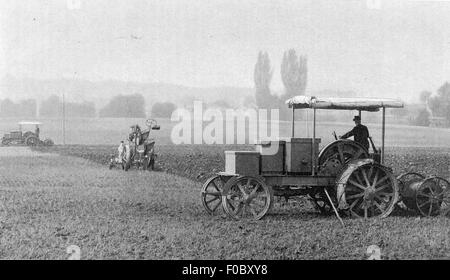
pixel 335 103
pixel 29 123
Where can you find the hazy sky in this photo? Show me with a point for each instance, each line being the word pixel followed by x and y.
pixel 401 48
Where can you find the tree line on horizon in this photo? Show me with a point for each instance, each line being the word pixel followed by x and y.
pixel 120 106
pixel 435 107
pixel 294 75
pixel 25 108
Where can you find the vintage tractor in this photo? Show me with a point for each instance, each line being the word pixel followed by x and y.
pixel 343 177
pixel 29 138
pixel 139 151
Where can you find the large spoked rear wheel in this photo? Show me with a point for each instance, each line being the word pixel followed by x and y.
pixel 32 141
pixel 247 198
pixel 368 190
pixel 212 195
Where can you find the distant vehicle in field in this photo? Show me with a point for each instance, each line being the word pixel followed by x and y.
pixel 140 149
pixel 29 137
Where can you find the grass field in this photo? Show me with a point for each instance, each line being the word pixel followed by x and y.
pixel 66 195
pixel 109 131
pixel 53 201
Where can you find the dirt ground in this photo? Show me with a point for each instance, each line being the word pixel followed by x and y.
pixel 51 203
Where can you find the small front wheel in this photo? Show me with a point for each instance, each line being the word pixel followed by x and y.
pixel 212 194
pixel 6 142
pixel 247 198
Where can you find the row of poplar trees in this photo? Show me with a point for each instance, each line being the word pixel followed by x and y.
pixel 294 74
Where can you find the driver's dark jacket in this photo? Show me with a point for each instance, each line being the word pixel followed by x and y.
pixel 360 134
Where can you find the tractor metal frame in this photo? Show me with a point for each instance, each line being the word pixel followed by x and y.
pixel 383 132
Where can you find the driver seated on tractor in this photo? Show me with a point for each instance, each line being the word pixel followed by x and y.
pixel 360 133
pixel 139 138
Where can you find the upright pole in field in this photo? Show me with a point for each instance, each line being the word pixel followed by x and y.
pixel 383 133
pixel 64 120
pixel 293 120
pixel 313 156
pixel 307 123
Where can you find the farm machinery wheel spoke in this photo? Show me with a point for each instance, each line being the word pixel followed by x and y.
pixel 354 203
pixel 383 196
pixel 373 180
pixel 355 196
pixel 357 184
pixel 243 189
pixel 360 181
pixel 252 211
pixel 430 209
pixel 366 179
pixel 378 205
pixel 369 190
pixel 424 195
pixel 423 204
pixel 217 206
pixel 211 194
pixel 382 187
pixel 253 193
pixel 254 198
pixel 212 199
